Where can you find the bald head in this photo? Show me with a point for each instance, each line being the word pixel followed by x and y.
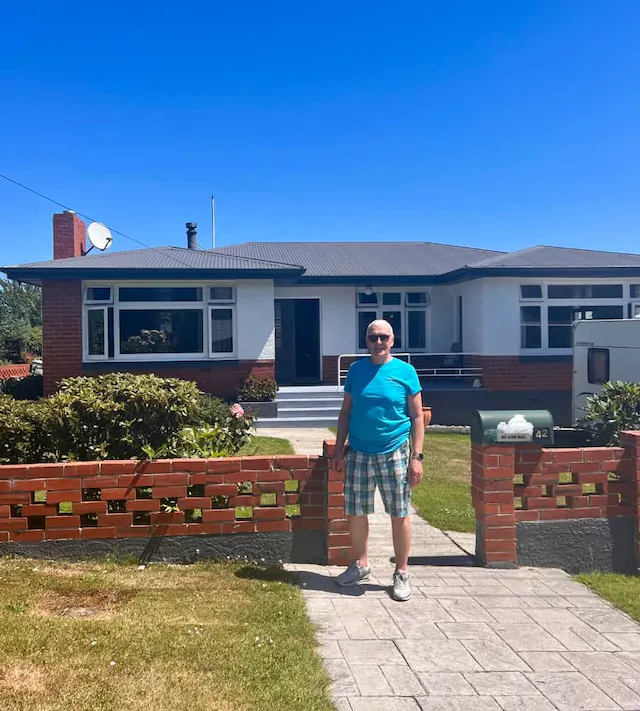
pixel 381 326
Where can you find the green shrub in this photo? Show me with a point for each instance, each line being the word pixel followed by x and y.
pixel 211 409
pixel 258 390
pixel 614 410
pixel 113 416
pixel 25 432
pixel 27 388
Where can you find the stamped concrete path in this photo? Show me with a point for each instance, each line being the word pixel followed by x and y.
pixel 470 639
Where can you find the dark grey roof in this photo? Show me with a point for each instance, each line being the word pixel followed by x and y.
pixel 160 258
pixel 363 259
pixel 542 257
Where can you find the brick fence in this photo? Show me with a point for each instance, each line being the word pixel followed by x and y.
pixel 14 371
pixel 578 509
pixel 276 508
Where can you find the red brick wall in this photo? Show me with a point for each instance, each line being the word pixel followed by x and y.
pixel 14 371
pixel 524 483
pixel 124 499
pixel 222 379
pixel 516 373
pixel 338 539
pixel 69 236
pixel 61 331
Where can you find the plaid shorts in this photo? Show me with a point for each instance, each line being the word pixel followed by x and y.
pixel 389 472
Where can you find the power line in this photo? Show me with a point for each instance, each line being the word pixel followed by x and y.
pixel 90 219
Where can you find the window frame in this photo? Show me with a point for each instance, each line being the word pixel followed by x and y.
pixel 625 301
pixel 403 307
pixel 591 352
pixel 205 306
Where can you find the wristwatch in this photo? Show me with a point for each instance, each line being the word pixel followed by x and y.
pixel 419 457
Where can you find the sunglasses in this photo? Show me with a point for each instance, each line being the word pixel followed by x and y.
pixel 373 338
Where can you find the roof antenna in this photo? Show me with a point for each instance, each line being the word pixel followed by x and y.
pixel 213 223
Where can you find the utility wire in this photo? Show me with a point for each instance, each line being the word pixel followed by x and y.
pixel 90 219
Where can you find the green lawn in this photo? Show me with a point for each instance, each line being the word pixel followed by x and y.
pixel 621 590
pixel 267 446
pixel 103 636
pixel 444 496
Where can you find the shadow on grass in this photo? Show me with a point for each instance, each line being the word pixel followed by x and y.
pixel 268 573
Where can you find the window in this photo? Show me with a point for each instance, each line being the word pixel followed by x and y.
pixel 364 319
pixel 395 319
pixel 416 298
pixel 159 322
pixel 548 325
pixel 530 327
pixel 161 331
pixel 530 291
pixel 561 320
pixel 636 310
pixel 392 299
pixel 598 365
pixel 405 311
pixel 417 329
pixel 221 330
pixel 160 293
pixel 95 332
pixel 635 291
pixel 97 294
pixel 584 291
pixel 365 299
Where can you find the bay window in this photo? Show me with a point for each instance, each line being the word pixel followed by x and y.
pixel 405 311
pixel 158 322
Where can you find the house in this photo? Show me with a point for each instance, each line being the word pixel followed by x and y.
pixel 485 329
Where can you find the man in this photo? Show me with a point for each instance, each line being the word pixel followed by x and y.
pixel 382 416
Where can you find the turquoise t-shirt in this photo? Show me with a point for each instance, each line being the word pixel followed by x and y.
pixel 379 420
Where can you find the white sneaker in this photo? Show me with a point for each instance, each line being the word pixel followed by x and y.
pixel 353 575
pixel 401 586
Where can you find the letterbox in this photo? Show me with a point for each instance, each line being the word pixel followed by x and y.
pixel 512 427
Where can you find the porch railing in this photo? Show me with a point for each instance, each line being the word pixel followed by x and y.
pixel 427 365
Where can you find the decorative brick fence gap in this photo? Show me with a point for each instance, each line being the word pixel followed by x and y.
pixel 578 509
pixel 287 508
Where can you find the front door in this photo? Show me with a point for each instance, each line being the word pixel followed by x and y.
pixel 297 324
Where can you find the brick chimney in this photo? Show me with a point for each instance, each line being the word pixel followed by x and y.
pixel 69 235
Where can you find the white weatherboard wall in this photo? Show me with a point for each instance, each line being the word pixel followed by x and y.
pixel 473 316
pixel 440 317
pixel 337 314
pixel 255 329
pixel 501 311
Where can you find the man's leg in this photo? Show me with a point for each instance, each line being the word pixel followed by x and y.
pixel 359 530
pixel 401 529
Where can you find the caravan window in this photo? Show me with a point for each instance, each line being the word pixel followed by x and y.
pixel 598 365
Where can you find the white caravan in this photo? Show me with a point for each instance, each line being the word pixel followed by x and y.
pixel 603 351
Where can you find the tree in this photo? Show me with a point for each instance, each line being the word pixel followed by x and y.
pixel 20 321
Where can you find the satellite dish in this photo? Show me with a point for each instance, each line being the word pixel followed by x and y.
pixel 99 236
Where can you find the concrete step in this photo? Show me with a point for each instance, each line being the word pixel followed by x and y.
pixel 310 402
pixel 285 410
pixel 301 421
pixel 309 393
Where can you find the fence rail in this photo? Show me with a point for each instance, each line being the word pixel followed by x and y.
pixel 14 371
pixel 427 365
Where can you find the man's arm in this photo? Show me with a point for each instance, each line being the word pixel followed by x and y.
pixel 343 430
pixel 417 436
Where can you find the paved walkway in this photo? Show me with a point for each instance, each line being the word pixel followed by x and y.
pixel 470 639
pixel 304 440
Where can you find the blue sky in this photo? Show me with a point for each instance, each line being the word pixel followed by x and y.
pixel 497 124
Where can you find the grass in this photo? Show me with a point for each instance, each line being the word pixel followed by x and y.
pixel 444 496
pixel 106 636
pixel 621 590
pixel 267 446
